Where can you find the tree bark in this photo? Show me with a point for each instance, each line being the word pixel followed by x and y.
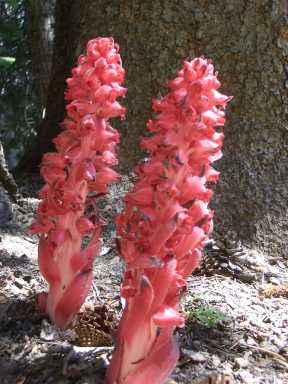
pixel 248 41
pixel 6 179
pixel 40 30
pixel 64 48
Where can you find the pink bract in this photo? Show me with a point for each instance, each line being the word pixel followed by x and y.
pixel 74 175
pixel 166 222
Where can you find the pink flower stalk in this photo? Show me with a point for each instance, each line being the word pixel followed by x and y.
pixel 166 222
pixel 74 175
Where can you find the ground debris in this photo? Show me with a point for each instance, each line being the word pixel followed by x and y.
pixel 273 291
pixel 217 378
pixel 248 344
pixel 94 327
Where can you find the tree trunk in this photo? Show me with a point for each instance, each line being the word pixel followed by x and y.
pixel 248 41
pixel 40 29
pixel 64 48
pixel 6 179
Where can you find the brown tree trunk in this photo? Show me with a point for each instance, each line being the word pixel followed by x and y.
pixel 40 31
pixel 63 56
pixel 6 179
pixel 248 42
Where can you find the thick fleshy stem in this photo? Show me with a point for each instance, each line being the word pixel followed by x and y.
pixel 80 170
pixel 166 222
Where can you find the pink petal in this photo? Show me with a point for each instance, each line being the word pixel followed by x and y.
pixel 72 299
pixel 47 265
pixel 161 281
pixel 142 196
pixel 168 317
pixel 189 242
pixel 145 261
pixel 188 264
pixel 199 211
pixel 161 235
pixel 137 310
pixel 84 225
pixel 158 365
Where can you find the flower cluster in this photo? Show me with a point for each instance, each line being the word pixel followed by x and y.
pixel 166 222
pixel 79 171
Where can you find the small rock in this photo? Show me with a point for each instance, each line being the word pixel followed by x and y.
pixel 27 278
pixel 197 344
pixel 227 368
pixel 251 341
pixel 240 362
pixel 273 260
pixel 107 208
pixel 196 357
pixel 256 322
pixel 3 299
pixel 216 361
pixel 247 277
pixel 247 377
pixel 79 360
pixel 274 280
pixel 267 319
pixel 48 332
pixel 18 283
pixel 105 250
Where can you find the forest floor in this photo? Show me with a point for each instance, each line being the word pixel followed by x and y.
pixel 236 332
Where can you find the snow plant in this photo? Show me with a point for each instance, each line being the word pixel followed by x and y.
pixel 166 222
pixel 78 172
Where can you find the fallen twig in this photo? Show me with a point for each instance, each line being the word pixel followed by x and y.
pixel 276 356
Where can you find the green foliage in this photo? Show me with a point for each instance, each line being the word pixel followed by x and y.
pixel 207 316
pixel 13 3
pixel 9 30
pixel 6 61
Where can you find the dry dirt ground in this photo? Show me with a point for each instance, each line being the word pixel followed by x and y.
pixel 234 328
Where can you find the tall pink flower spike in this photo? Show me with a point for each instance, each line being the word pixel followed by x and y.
pixel 166 222
pixel 74 175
